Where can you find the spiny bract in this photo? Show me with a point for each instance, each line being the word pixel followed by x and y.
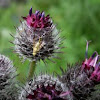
pixel 44 87
pixel 8 89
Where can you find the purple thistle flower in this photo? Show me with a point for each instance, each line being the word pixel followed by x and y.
pixel 83 79
pixel 44 87
pixel 37 37
pixel 38 20
pixel 92 67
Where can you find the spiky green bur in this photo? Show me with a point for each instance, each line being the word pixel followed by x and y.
pixel 37 37
pixel 44 87
pixel 8 87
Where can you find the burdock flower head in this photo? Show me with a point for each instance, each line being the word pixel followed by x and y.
pixel 82 79
pixel 8 89
pixel 37 37
pixel 44 87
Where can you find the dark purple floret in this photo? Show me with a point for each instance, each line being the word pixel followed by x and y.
pixel 45 87
pixel 30 12
pixel 45 93
pixel 92 67
pixel 38 19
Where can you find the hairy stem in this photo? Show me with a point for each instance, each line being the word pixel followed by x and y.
pixel 31 70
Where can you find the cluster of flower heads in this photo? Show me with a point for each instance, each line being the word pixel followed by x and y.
pixel 8 89
pixel 37 37
pixel 76 83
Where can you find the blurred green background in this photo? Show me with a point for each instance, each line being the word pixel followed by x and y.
pixel 78 20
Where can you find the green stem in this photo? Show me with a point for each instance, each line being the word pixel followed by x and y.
pixel 32 70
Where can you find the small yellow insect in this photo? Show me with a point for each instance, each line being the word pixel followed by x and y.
pixel 37 46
